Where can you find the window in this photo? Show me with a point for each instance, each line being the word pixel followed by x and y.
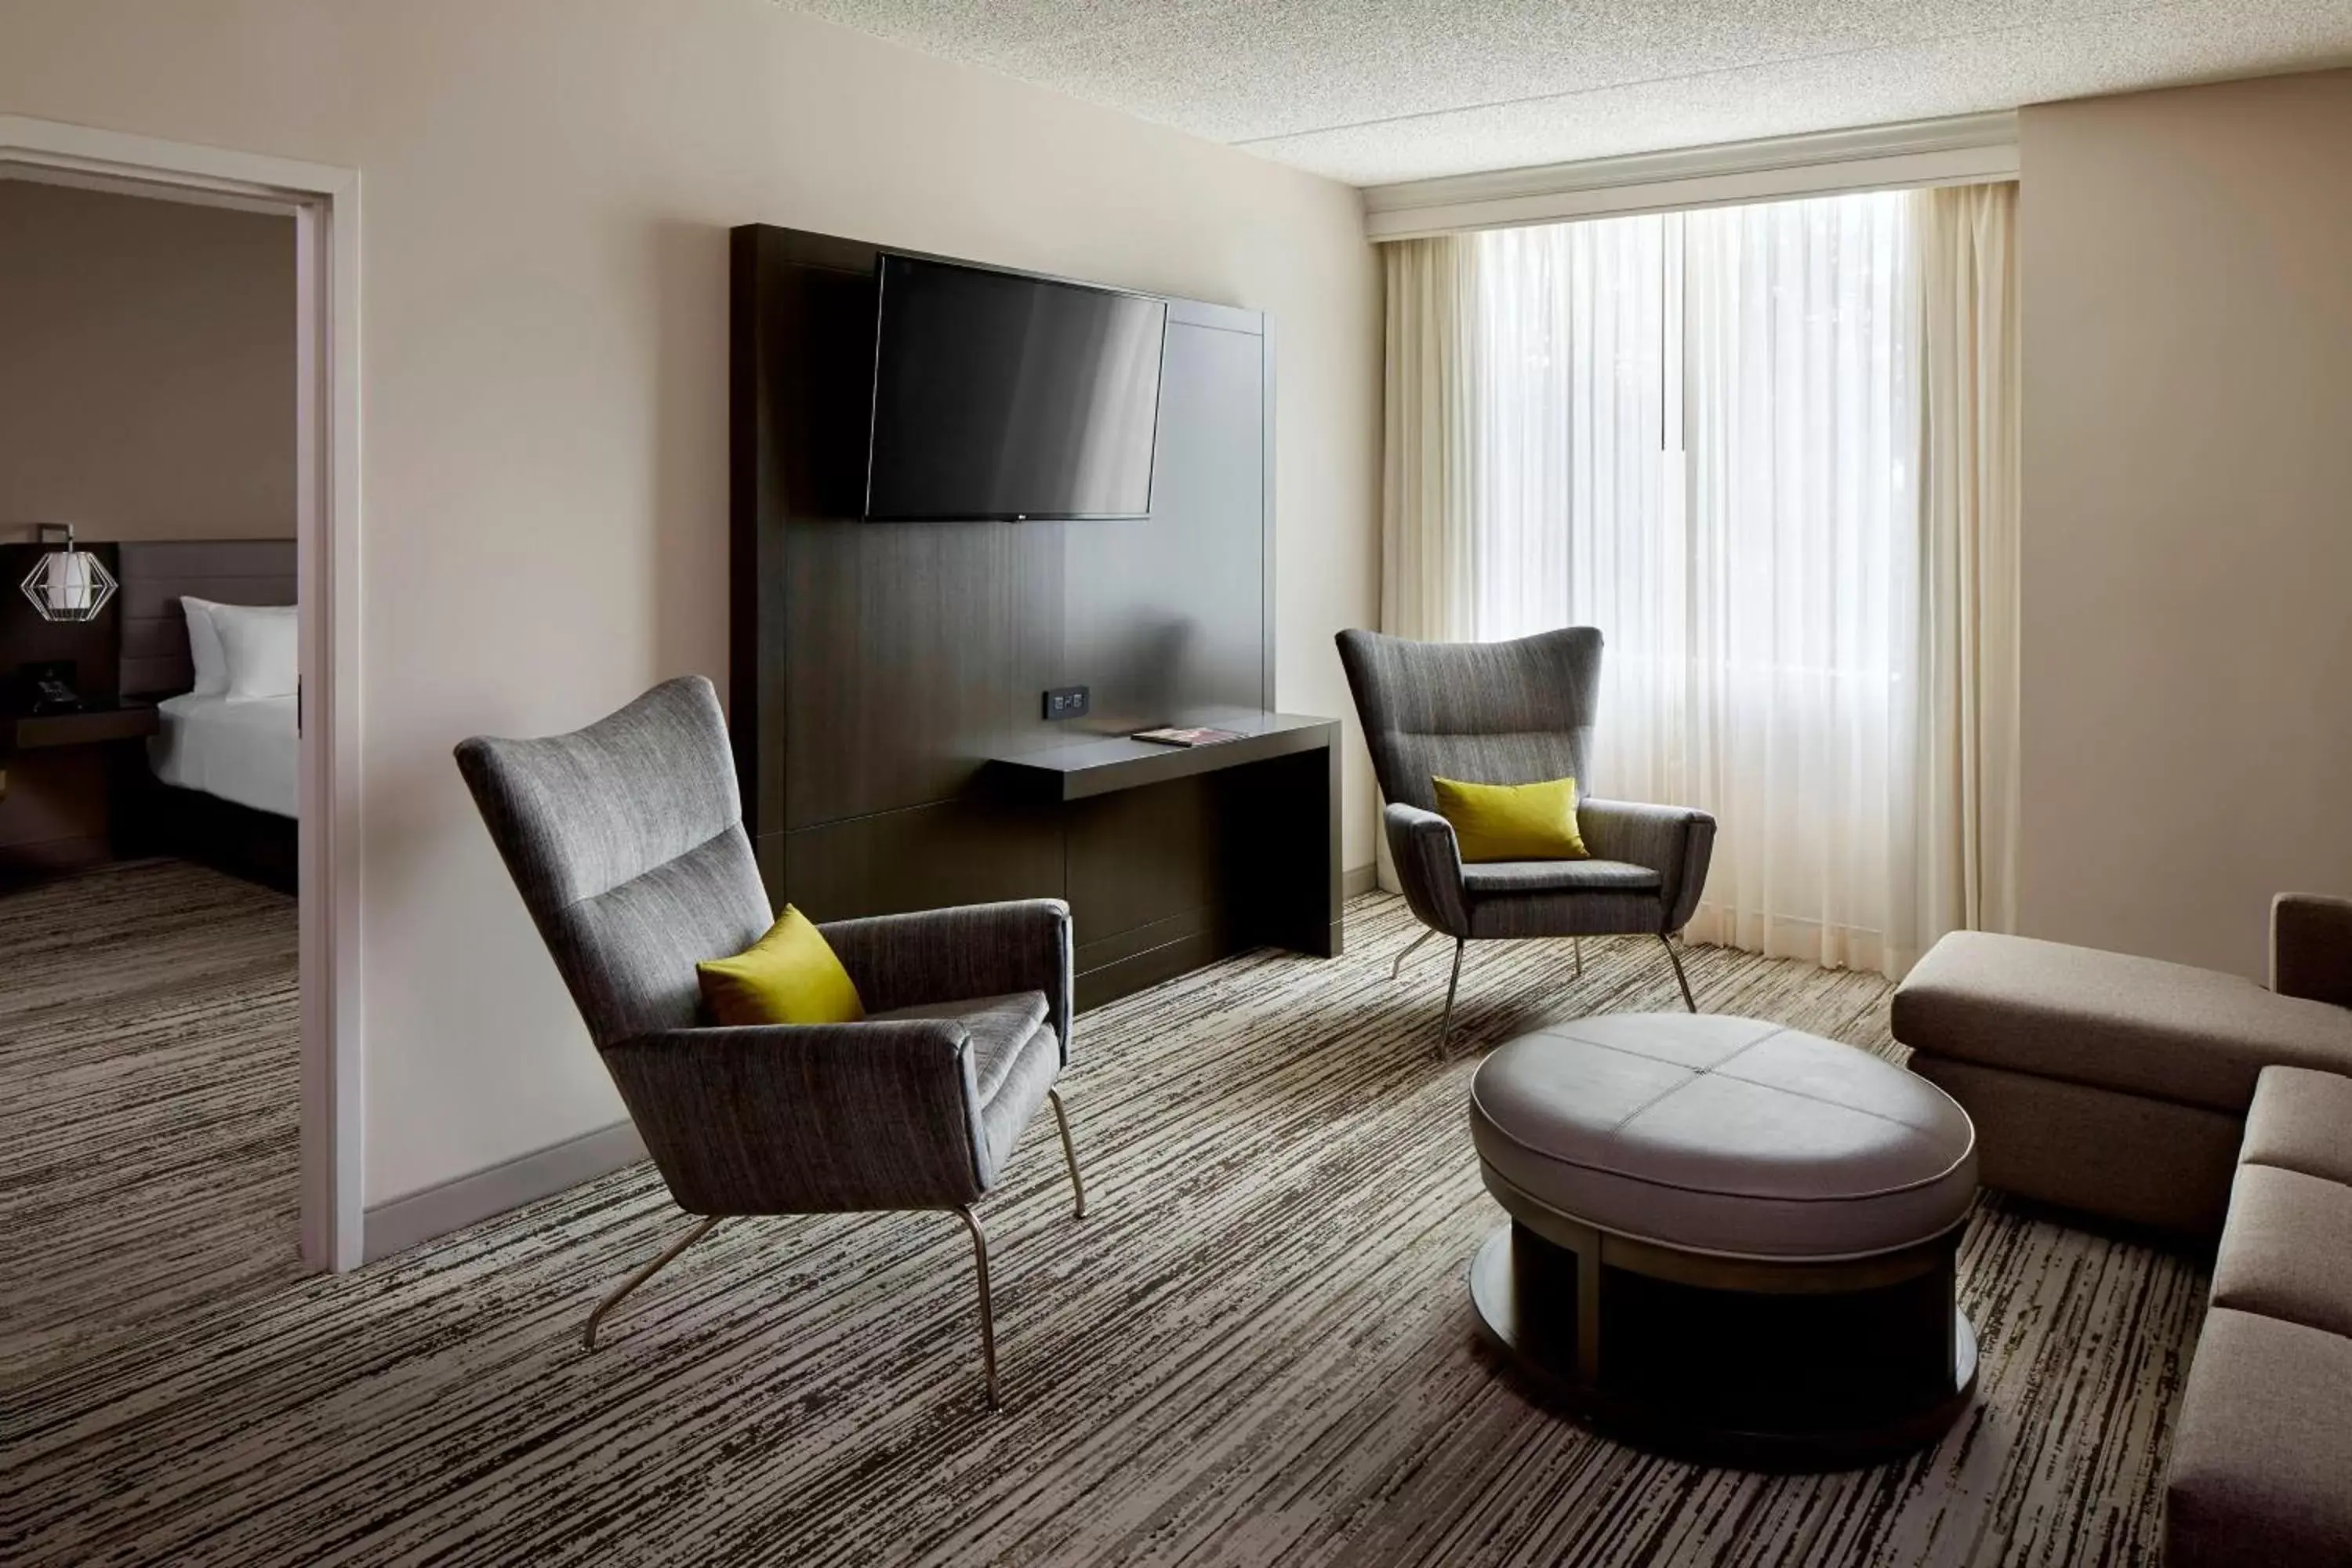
pixel 1697 432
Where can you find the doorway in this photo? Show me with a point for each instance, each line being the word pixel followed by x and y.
pixel 322 202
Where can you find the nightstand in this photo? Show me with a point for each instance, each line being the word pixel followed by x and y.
pixel 92 724
pixel 78 795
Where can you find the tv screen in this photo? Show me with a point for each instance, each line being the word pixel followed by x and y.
pixel 1002 396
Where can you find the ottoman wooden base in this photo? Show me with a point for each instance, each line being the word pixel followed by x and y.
pixel 1783 1366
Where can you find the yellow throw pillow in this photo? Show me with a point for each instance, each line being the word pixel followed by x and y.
pixel 1513 822
pixel 788 976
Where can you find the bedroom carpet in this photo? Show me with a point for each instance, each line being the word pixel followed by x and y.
pixel 148 1087
pixel 1257 1348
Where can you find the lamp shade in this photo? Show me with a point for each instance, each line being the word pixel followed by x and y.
pixel 68 585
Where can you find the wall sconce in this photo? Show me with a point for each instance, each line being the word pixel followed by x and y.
pixel 67 584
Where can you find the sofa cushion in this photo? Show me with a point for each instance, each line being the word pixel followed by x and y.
pixel 2286 1252
pixel 2263 1447
pixel 2302 1121
pixel 1558 877
pixel 2108 1019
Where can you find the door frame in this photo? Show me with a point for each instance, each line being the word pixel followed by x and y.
pixel 324 202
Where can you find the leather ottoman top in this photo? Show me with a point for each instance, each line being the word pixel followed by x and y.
pixel 1723 1135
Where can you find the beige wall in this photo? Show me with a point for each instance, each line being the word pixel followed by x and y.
pixel 546 188
pixel 147 377
pixel 2187 277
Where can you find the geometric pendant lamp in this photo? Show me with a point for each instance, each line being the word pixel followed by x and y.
pixel 68 585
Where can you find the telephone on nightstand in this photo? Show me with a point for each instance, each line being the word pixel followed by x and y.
pixel 48 687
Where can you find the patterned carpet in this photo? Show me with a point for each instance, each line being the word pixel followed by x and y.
pixel 148 1101
pixel 1257 1348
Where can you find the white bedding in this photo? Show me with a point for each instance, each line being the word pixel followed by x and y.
pixel 242 752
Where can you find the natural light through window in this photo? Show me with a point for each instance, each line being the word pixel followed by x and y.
pixel 1697 432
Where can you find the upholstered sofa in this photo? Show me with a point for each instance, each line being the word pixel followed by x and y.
pixel 2192 1102
pixel 2119 1085
pixel 2261 1446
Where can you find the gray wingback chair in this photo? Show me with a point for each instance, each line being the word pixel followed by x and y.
pixel 1515 712
pixel 627 842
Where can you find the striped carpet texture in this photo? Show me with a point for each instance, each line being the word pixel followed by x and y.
pixel 1257 1348
pixel 148 1098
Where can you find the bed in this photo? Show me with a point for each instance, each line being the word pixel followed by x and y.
pixel 224 789
pixel 244 753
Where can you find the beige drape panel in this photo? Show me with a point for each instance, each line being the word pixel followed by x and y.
pixel 1428 561
pixel 1429 449
pixel 1968 504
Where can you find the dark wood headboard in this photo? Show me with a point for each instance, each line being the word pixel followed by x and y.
pixel 154 574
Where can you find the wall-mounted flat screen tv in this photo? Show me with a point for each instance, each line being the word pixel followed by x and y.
pixel 997 395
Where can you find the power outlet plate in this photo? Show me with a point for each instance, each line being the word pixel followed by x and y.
pixel 1065 702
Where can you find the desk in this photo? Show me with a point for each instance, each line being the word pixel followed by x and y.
pixel 1176 855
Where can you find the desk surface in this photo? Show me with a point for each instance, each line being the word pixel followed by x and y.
pixel 1103 764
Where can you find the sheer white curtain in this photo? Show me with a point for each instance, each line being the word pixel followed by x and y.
pixel 1800 661
pixel 1772 453
pixel 1697 432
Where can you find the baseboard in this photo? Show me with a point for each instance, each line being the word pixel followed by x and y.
pixel 402 1223
pixel 1361 879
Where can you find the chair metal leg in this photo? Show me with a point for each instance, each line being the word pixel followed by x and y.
pixel 1680 978
pixel 1445 1028
pixel 1398 967
pixel 1576 945
pixel 588 1335
pixel 987 1311
pixel 1069 1150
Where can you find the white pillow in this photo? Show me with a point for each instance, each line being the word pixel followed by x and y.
pixel 204 655
pixel 259 642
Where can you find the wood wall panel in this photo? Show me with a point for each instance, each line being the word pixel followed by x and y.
pixel 878 666
pixel 898 664
pixel 954 852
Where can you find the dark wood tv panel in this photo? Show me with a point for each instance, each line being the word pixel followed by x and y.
pixel 886 677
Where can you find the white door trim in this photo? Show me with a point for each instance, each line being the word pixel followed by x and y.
pixel 325 203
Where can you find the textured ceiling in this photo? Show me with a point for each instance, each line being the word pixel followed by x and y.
pixel 1371 91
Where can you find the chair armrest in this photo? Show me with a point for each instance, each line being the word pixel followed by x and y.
pixel 954 955
pixel 1675 841
pixel 2311 947
pixel 1429 865
pixel 808 1119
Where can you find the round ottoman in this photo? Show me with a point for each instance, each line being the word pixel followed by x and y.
pixel 1728 1239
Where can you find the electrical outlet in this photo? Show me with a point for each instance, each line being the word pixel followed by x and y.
pixel 1065 702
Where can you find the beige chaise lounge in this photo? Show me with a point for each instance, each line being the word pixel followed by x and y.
pixel 2119 1085
pixel 2196 1101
